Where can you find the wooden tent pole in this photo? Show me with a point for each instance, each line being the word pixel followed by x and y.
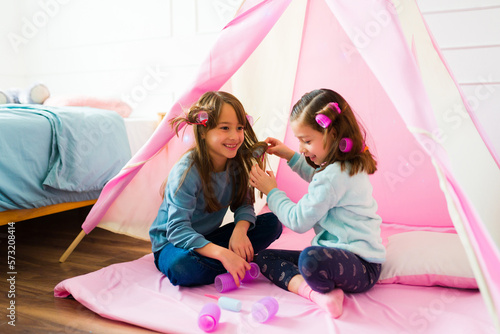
pixel 72 247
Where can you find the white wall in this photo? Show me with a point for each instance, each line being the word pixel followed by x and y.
pixel 143 52
pixel 468 33
pixel 12 72
pixel 146 51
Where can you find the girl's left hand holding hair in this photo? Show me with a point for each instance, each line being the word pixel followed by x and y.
pixel 263 181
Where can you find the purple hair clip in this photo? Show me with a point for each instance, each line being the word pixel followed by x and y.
pixel 249 119
pixel 203 118
pixel 334 106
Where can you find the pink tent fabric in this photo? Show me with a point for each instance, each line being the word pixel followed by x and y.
pixel 362 51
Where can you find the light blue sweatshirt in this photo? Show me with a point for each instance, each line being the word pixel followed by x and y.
pixel 182 219
pixel 340 208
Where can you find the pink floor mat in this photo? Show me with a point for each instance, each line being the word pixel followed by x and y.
pixel 136 292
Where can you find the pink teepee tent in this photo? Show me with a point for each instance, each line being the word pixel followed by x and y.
pixel 380 56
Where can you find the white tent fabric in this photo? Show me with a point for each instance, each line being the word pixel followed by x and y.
pixel 382 59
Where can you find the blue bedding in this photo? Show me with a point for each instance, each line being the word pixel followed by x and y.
pixel 51 155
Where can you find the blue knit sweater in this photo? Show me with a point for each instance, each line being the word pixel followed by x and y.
pixel 182 219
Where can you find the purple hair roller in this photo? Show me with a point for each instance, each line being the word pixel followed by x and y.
pixel 265 309
pixel 345 145
pixel 251 274
pixel 225 282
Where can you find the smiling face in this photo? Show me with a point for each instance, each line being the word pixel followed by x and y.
pixel 311 142
pixel 224 140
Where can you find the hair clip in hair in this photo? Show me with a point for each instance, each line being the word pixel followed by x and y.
pixel 335 106
pixel 203 118
pixel 323 120
pixel 249 119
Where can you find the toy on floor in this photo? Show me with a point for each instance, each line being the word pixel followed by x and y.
pixel 265 309
pixel 227 303
pixel 37 93
pixel 209 317
pixel 225 282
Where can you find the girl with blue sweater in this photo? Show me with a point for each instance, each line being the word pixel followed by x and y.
pixel 347 250
pixel 189 244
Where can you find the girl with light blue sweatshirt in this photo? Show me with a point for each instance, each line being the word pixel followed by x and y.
pixel 347 251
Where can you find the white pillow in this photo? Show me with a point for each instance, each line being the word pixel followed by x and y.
pixel 427 258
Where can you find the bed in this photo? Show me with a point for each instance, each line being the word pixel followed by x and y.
pixel 54 159
pixel 425 298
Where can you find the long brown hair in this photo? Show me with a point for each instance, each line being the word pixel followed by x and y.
pixel 343 125
pixel 239 167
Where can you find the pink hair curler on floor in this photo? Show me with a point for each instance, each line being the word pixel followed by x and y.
pixel 225 282
pixel 209 317
pixel 265 309
pixel 251 274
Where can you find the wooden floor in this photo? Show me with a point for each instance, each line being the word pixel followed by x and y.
pixel 38 245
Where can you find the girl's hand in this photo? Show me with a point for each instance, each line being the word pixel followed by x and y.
pixel 239 242
pixel 264 181
pixel 235 265
pixel 276 147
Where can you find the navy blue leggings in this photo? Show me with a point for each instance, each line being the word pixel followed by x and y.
pixel 323 268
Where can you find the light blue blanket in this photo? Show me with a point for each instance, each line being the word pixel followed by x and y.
pixel 51 155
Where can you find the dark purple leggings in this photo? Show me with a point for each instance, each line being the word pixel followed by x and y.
pixel 323 268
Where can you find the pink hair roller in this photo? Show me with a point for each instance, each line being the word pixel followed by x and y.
pixel 265 309
pixel 345 145
pixel 335 106
pixel 251 274
pixel 225 282
pixel 323 120
pixel 209 317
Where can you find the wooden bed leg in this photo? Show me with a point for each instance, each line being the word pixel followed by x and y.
pixel 72 247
